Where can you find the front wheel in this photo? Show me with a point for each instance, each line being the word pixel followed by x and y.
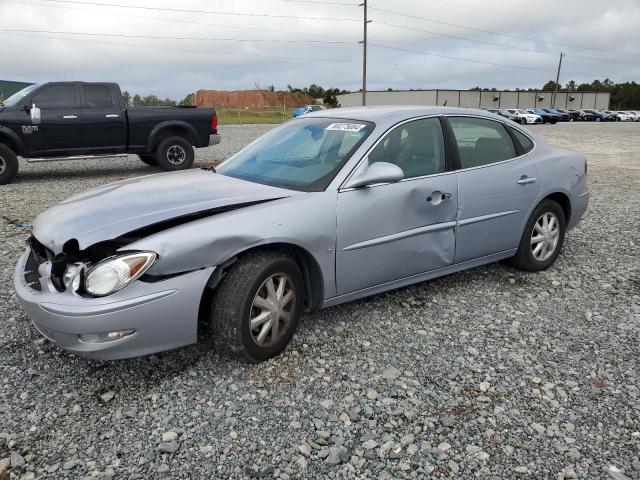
pixel 174 153
pixel 542 238
pixel 256 309
pixel 523 121
pixel 8 164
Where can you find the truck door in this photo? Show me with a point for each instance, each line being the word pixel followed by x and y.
pixel 104 125
pixel 58 133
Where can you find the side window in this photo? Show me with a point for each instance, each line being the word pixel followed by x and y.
pixel 97 96
pixel 416 147
pixel 525 142
pixel 481 142
pixel 57 97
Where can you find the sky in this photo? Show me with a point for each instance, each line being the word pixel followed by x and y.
pixel 241 44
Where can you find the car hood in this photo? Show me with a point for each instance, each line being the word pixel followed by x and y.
pixel 109 211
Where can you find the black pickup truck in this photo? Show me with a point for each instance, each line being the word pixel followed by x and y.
pixel 70 120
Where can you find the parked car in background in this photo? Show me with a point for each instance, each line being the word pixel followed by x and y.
pixel 574 114
pixel 503 113
pixel 71 120
pixel 634 115
pixel 132 267
pixel 589 115
pixel 564 117
pixel 307 109
pixel 610 115
pixel 624 116
pixel 524 117
pixel 546 116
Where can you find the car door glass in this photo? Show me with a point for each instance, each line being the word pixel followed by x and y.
pixel 481 142
pixel 525 142
pixel 416 147
pixel 97 96
pixel 57 97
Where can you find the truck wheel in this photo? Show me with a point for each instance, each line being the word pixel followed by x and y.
pixel 148 158
pixel 174 153
pixel 8 164
pixel 256 309
pixel 542 238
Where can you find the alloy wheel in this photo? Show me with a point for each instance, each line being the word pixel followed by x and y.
pixel 176 155
pixel 545 236
pixel 272 310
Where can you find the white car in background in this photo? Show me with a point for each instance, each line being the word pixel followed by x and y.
pixel 524 116
pixel 625 116
pixel 635 116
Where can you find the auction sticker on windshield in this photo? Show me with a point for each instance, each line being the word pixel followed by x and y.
pixel 346 127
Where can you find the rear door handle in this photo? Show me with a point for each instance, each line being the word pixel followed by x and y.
pixel 70 117
pixel 524 180
pixel 112 115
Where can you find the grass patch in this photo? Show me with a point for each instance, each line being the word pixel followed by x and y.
pixel 246 115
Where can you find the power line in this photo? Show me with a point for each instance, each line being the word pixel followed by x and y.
pixel 208 12
pixel 462 59
pixel 168 37
pixel 517 37
pixel 176 20
pixel 318 2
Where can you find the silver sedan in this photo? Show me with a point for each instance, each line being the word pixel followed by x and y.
pixel 331 207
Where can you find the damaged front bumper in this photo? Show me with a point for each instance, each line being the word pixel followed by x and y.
pixel 143 318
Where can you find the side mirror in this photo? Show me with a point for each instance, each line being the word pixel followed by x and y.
pixel 379 172
pixel 36 117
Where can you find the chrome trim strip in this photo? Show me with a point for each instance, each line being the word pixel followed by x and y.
pixel 585 194
pixel 436 227
pixel 482 218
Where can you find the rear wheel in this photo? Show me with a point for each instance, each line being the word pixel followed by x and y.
pixel 174 153
pixel 149 159
pixel 542 238
pixel 8 164
pixel 256 309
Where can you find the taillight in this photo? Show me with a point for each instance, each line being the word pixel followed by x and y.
pixel 214 123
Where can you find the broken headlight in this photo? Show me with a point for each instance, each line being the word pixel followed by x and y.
pixel 115 273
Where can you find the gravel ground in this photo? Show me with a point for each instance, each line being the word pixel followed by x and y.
pixel 489 373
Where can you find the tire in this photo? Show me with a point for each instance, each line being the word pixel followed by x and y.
pixel 523 121
pixel 525 259
pixel 148 158
pixel 8 164
pixel 233 307
pixel 597 119
pixel 174 153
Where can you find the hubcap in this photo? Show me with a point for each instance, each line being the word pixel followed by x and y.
pixel 545 236
pixel 272 310
pixel 176 155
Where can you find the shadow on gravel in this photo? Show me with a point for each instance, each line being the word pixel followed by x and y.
pixel 25 176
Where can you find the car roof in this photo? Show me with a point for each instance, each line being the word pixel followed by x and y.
pixel 396 112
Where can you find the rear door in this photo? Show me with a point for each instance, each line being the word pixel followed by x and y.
pixel 497 186
pixel 103 121
pixel 392 231
pixel 61 116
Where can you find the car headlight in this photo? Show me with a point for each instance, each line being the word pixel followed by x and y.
pixel 115 273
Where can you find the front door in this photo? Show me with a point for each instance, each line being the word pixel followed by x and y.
pixel 392 231
pixel 59 130
pixel 103 120
pixel 497 186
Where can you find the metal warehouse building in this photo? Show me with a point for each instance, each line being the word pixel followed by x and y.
pixel 480 99
pixel 8 88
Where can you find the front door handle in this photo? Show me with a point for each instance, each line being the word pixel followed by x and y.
pixel 112 115
pixel 524 180
pixel 437 197
pixel 70 117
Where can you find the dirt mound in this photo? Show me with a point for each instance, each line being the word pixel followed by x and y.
pixel 250 98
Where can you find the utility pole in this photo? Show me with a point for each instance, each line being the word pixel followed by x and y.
pixel 555 93
pixel 364 54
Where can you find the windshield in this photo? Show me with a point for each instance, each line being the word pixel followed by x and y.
pixel 303 154
pixel 522 111
pixel 17 97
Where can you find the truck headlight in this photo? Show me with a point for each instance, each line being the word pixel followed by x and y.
pixel 115 273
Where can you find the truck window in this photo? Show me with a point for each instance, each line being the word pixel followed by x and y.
pixel 97 96
pixel 57 97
